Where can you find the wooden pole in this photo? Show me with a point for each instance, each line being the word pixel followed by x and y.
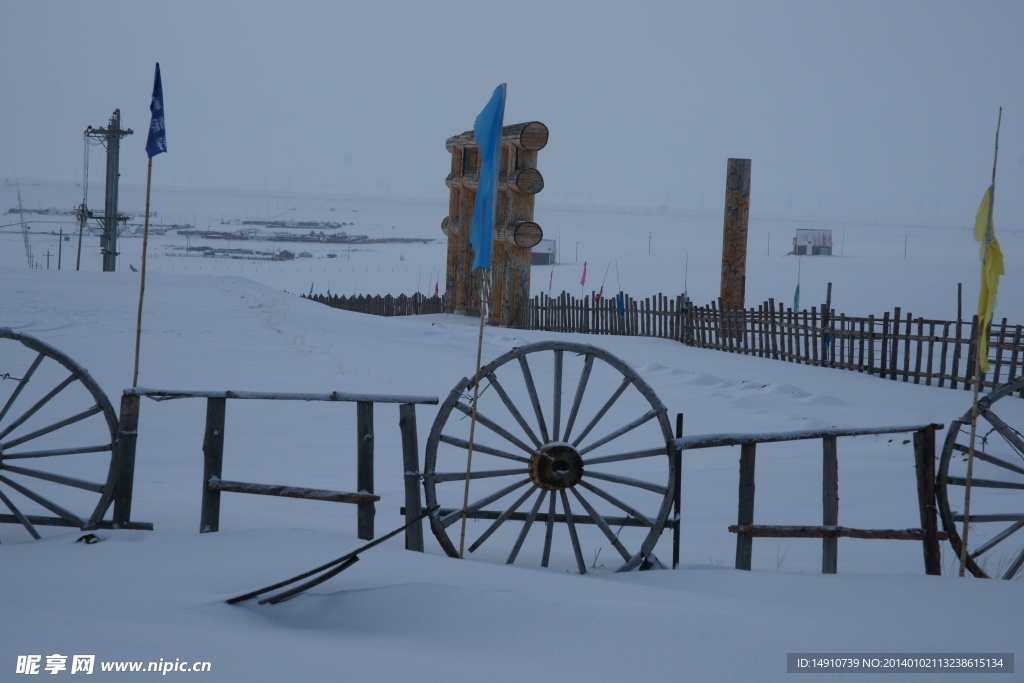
pixel 734 234
pixel 745 544
pixel 142 278
pixel 484 297
pixel 364 468
pixel 982 329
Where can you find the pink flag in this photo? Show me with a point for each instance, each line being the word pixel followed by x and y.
pixel 583 280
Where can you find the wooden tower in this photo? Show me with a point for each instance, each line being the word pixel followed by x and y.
pixel 515 232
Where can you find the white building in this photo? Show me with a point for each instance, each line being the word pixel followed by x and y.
pixel 544 254
pixel 812 242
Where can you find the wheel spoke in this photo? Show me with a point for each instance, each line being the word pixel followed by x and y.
pixel 625 429
pixel 995 540
pixel 1000 517
pixel 34 409
pixel 526 527
pixel 513 409
pixel 581 387
pixel 52 428
pixel 1006 431
pixel 501 520
pixel 1015 565
pixel 441 477
pixel 20 517
pixel 627 481
pixel 985 483
pixel 602 525
pixel 572 534
pixel 494 427
pixel 549 532
pixel 556 415
pixel 534 399
pixel 628 509
pixel 48 504
pixel 57 451
pixel 607 406
pixel 21 385
pixel 56 478
pixel 453 517
pixel 981 455
pixel 480 448
pixel 635 455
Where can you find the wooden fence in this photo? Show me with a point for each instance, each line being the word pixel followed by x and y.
pixel 895 345
pixel 388 306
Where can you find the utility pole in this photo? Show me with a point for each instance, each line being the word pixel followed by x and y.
pixel 111 136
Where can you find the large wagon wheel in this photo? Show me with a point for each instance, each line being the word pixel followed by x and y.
pixel 995 545
pixel 57 434
pixel 567 435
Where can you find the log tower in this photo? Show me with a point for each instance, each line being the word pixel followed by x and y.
pixel 515 232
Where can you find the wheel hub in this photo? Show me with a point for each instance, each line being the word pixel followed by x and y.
pixel 556 467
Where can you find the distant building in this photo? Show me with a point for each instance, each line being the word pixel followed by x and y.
pixel 812 242
pixel 544 254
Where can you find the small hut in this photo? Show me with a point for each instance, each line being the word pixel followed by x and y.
pixel 812 242
pixel 544 254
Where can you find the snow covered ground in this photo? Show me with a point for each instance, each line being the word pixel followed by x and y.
pixel 234 324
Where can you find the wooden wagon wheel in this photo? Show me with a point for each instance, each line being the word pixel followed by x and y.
pixel 995 538
pixel 567 435
pixel 57 435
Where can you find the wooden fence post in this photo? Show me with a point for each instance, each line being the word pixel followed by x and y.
pixel 213 461
pixel 411 462
pixel 124 464
pixel 364 467
pixel 745 543
pixel 830 504
pixel 924 456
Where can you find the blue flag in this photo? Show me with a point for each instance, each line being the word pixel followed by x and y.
pixel 157 140
pixel 622 305
pixel 487 131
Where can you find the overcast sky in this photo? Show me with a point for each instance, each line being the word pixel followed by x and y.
pixel 867 106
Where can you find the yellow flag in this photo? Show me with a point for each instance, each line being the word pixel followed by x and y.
pixel 991 269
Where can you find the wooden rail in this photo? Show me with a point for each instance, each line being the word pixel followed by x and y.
pixel 213 453
pixel 829 531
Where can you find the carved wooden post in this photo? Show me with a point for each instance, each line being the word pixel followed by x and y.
pixel 514 232
pixel 734 234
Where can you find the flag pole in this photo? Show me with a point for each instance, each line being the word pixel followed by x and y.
pixel 982 329
pixel 487 134
pixel 142 279
pixel 484 297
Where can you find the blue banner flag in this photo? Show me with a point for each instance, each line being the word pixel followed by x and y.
pixel 157 140
pixel 487 131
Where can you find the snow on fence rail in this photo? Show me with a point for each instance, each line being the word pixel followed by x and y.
pixel 894 346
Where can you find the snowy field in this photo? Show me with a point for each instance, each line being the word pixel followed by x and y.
pixel 217 324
